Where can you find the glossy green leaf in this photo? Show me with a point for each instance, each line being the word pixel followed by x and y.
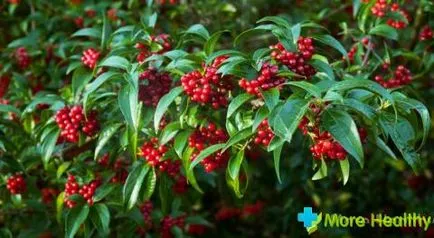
pixel 205 153
pixel 100 216
pixel 234 164
pixel 75 217
pixel 345 169
pixel 133 184
pixel 105 135
pixel 237 102
pixel 384 30
pixel 164 104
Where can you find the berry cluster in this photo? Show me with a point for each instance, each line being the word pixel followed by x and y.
pixel 171 2
pixel 22 58
pixel 426 33
pixel 4 85
pixel 252 209
pixel 112 14
pixel 88 190
pixel 72 120
pixel 48 195
pixel 324 145
pixel 153 152
pixel 208 88
pixel 380 9
pixel 104 160
pixel 296 61
pixel 267 79
pixel 351 53
pixel 71 188
pixel 401 76
pixel 158 84
pixel 226 213
pixel 16 184
pixel 264 134
pixel 146 210
pixel 145 52
pixel 121 173
pixel 196 229
pixel 205 137
pixel 180 185
pixel 172 168
pixel 168 222
pixel 79 21
pixel 90 57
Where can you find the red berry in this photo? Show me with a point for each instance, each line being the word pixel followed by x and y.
pixel 264 134
pixel 426 33
pixel 16 184
pixel 152 152
pixel 4 85
pixel 157 85
pixel 22 58
pixel 90 57
pixel 226 213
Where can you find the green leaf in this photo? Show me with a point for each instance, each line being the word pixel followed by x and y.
pixel 271 98
pixel 116 62
pixel 237 102
pixel 133 184
pixel 402 134
pixel 279 21
pixel 9 108
pixel 100 80
pixel 308 87
pixel 128 104
pixel 102 191
pixel 384 30
pixel 323 67
pixel 295 31
pixel 383 146
pixel 360 107
pixel 345 169
pixel 344 130
pixel 75 217
pixel 239 136
pixel 80 78
pixel 212 41
pixel 248 34
pixel 286 120
pixel 234 164
pixel 199 30
pixel 169 132
pixel 260 115
pixel 322 171
pixel 164 104
pixel 62 168
pixel 353 83
pixel 181 141
pixel 331 41
pixel 152 20
pixel 405 102
pixel 106 32
pixel 100 216
pixel 276 158
pixel 48 144
pixel 151 181
pixel 90 32
pixel 205 153
pixel 105 135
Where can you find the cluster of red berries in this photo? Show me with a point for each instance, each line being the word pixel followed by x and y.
pixel 90 57
pixel 226 213
pixel 146 210
pixel 168 222
pixel 296 61
pixel 88 190
pixel 14 2
pixel 252 209
pixel 264 134
pixel 153 152
pixel 352 53
pixel 380 8
pixel 158 84
pixel 207 136
pixel 267 79
pixel 172 2
pixel 401 76
pixel 112 14
pixel 144 51
pixel 71 188
pixel 121 174
pixel 4 85
pixel 72 120
pixel 16 184
pixel 22 58
pixel 48 195
pixel 79 21
pixel 426 33
pixel 180 186
pixel 172 168
pixel 208 88
pixel 323 143
pixel 196 229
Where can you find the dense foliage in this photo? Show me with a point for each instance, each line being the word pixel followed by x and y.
pixel 206 118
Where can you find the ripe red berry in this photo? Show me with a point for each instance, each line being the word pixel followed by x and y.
pixel 16 184
pixel 426 33
pixel 112 14
pixel 168 222
pixel 88 190
pixel 48 195
pixel 208 88
pixel 226 213
pixel 90 13
pixel 71 188
pixel 79 22
pixel 171 167
pixel 104 160
pixel 266 79
pixel 22 58
pixel 152 152
pixel 180 185
pixel 146 210
pixel 157 85
pixel 252 209
pixel 401 76
pixel 379 9
pixel 264 134
pixel 196 229
pixel 4 85
pixel 72 120
pixel 90 57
